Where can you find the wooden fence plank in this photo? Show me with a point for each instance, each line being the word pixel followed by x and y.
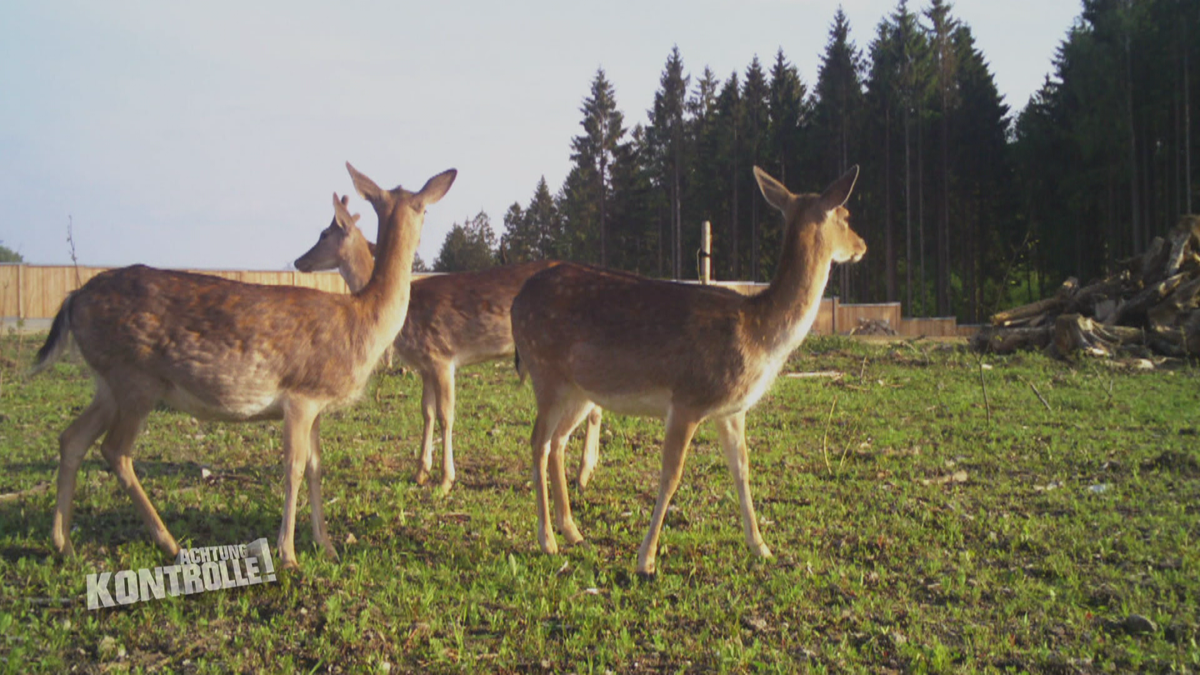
pixel 37 291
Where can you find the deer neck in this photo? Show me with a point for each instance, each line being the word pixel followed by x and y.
pixel 387 291
pixel 782 315
pixel 358 266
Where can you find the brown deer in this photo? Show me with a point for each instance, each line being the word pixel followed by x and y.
pixel 454 320
pixel 224 350
pixel 589 336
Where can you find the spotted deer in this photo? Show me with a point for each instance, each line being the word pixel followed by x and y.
pixel 684 353
pixel 224 350
pixel 454 320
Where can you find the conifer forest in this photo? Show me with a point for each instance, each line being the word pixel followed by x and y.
pixel 969 203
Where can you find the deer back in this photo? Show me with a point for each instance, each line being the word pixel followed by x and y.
pixel 464 317
pixel 634 344
pixel 218 348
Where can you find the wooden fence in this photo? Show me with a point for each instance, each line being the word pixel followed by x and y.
pixel 36 291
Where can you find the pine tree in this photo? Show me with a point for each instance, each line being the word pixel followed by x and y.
pixel 980 157
pixel 518 242
pixel 730 114
pixel 755 150
pixel 706 192
pixel 884 111
pixel 578 203
pixel 666 134
pixel 468 247
pixel 838 100
pixel 636 203
pixel 544 222
pixel 914 68
pixel 594 149
pixel 788 110
pixel 941 38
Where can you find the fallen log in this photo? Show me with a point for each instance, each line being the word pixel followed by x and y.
pixel 1134 310
pixel 1088 298
pixel 1182 340
pixel 1025 312
pixel 1009 340
pixel 1075 332
pixel 1152 261
pixel 1186 234
pixel 1150 305
pixel 1174 309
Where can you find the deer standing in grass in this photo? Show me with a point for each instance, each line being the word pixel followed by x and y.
pixel 454 320
pixel 589 336
pixel 224 350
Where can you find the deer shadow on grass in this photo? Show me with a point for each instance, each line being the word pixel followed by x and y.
pixel 221 520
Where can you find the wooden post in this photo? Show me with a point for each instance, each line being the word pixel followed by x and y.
pixel 20 291
pixel 706 253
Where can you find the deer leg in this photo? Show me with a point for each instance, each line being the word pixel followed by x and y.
pixel 732 432
pixel 428 408
pixel 72 446
pixel 117 448
pixel 312 473
pixel 550 411
pixel 675 446
pixel 574 413
pixel 445 412
pixel 298 421
pixel 591 448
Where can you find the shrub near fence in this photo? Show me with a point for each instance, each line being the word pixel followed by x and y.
pixel 36 291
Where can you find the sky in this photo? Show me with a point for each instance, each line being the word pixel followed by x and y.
pixel 211 135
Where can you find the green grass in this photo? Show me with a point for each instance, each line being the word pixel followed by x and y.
pixel 1070 519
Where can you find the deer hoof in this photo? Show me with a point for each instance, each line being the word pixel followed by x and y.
pixel 571 533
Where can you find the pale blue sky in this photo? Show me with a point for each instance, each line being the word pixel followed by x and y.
pixel 211 135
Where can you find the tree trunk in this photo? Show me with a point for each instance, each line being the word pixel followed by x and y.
pixel 1187 127
pixel 921 213
pixel 676 217
pixel 1135 233
pixel 889 245
pixel 908 235
pixel 943 239
pixel 733 224
pixel 603 229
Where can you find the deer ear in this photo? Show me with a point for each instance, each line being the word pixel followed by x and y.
pixel 839 190
pixel 340 215
pixel 437 187
pixel 774 191
pixel 345 200
pixel 366 187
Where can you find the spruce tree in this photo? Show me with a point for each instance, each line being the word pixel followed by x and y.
pixel 593 151
pixel 666 135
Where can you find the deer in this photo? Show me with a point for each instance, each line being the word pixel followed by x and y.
pixel 231 351
pixel 454 320
pixel 589 336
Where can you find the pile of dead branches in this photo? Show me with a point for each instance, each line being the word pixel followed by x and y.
pixel 873 327
pixel 1149 306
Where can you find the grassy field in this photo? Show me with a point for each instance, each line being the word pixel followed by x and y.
pixel 1053 526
